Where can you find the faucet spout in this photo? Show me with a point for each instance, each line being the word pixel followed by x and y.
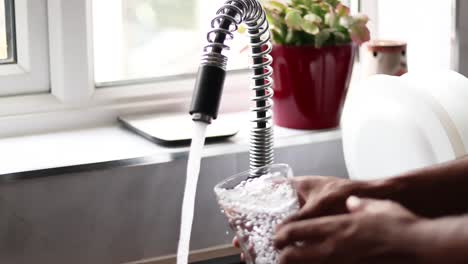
pixel 207 93
pixel 212 73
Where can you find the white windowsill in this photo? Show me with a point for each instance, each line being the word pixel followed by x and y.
pixel 115 143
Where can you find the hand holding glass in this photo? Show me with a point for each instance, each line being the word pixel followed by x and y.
pixel 254 205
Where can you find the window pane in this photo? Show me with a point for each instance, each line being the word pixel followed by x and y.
pixel 427 27
pixel 7 32
pixel 138 39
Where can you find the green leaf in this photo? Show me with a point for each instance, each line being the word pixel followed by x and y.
pixel 303 8
pixel 307 39
pixel 342 10
pixel 275 6
pixel 340 37
pixel 298 2
pixel 318 10
pixel 293 18
pixel 312 18
pixel 359 34
pixel 290 37
pixel 277 36
pixel 275 19
pixel 310 28
pixel 346 21
pixel 332 3
pixel 314 22
pixel 321 38
pixel 361 19
pixel 331 20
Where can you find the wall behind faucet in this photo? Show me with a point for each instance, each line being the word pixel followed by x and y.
pixel 462 21
pixel 126 214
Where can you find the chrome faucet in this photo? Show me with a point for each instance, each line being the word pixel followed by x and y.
pixel 212 73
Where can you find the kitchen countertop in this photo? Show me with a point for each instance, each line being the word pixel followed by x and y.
pixel 114 146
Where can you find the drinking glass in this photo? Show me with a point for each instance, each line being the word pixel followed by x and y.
pixel 255 202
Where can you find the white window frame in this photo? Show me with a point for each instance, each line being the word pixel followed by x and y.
pixel 30 73
pixel 73 100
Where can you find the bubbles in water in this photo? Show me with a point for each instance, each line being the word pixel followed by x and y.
pixel 256 206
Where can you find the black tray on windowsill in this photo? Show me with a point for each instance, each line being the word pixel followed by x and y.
pixel 176 130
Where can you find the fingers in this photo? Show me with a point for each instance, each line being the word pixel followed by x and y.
pixel 355 204
pixel 304 213
pixel 292 218
pixel 309 210
pixel 235 243
pixel 300 184
pixel 312 210
pixel 314 230
pixel 294 232
pixel 298 181
pixel 305 254
pixel 294 255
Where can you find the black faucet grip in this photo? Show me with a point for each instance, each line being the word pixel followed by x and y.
pixel 208 89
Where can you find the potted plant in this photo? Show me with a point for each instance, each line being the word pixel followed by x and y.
pixel 313 54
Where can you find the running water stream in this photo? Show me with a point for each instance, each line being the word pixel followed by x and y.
pixel 188 205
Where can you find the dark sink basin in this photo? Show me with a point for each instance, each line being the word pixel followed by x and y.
pixel 225 260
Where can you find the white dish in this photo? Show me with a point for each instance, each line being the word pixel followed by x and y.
pixel 395 124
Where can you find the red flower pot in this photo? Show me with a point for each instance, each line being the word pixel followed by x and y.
pixel 310 85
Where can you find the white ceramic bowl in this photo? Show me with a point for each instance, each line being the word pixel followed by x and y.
pixel 395 124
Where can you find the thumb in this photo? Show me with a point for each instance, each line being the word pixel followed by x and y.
pixel 355 204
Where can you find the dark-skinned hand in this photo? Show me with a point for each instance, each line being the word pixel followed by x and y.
pixel 374 231
pixel 320 196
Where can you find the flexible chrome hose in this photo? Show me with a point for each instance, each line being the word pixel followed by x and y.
pixel 227 20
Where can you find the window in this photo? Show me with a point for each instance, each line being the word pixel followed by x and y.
pixel 7 33
pixel 427 27
pixel 56 56
pixel 24 57
pixel 140 39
